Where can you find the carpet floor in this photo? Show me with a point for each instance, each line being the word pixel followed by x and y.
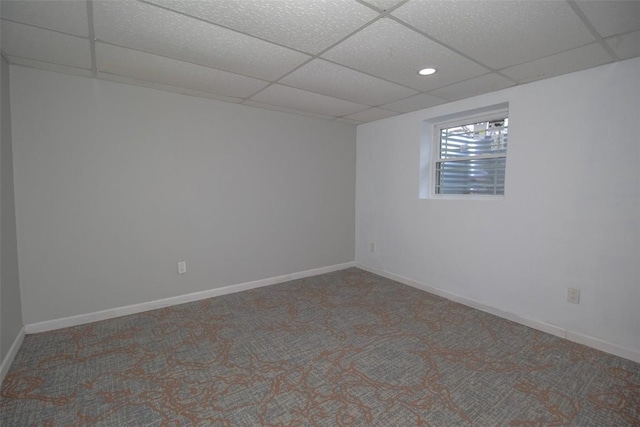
pixel 347 348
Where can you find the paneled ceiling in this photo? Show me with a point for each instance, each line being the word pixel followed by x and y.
pixel 347 60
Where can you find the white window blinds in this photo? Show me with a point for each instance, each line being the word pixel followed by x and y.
pixel 472 158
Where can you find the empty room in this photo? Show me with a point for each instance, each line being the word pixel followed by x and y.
pixel 319 213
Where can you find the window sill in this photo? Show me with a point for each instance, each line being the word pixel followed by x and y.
pixel 463 197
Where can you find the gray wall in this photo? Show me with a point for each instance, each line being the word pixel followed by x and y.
pixel 570 216
pixel 10 306
pixel 115 184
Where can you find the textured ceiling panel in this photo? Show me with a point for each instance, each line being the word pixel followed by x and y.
pixel 383 4
pixel 335 80
pixel 625 46
pixel 566 62
pixel 285 110
pixel 310 26
pixel 476 86
pixel 145 66
pixel 65 16
pixel 231 49
pixel 387 49
pixel 48 66
pixel 414 103
pixel 612 17
pixel 501 33
pixel 166 88
pixel 348 121
pixel 155 30
pixel 297 99
pixel 44 45
pixel 371 114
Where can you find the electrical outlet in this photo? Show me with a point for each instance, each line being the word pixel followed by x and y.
pixel 182 267
pixel 573 296
pixel 372 247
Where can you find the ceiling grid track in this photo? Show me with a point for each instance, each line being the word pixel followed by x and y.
pixel 92 38
pixel 572 4
pixel 318 55
pixel 451 48
pixel 355 60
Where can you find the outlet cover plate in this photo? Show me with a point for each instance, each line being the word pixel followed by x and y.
pixel 573 295
pixel 182 267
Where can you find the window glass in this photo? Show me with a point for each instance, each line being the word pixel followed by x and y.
pixel 471 157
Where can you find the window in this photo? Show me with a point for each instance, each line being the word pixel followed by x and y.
pixel 470 156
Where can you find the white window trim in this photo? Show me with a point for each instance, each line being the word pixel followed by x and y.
pixel 434 155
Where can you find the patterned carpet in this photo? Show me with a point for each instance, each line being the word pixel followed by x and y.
pixel 341 349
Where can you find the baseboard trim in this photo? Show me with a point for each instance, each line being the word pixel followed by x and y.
pixel 82 319
pixel 602 345
pixel 13 350
pixel 579 338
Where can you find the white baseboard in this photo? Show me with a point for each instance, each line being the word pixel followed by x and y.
pixel 579 338
pixel 602 345
pixel 13 350
pixel 82 319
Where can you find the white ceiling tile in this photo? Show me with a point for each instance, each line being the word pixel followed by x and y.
pixel 476 86
pixel 65 16
pixel 159 47
pixel 610 18
pixel 335 80
pixel 562 63
pixel 371 115
pixel 44 45
pixel 348 121
pixel 625 46
pixel 413 103
pixel 298 99
pixel 383 4
pixel 166 88
pixel 389 50
pixel 310 26
pixel 146 66
pixel 49 66
pixel 155 30
pixel 499 34
pixel 285 110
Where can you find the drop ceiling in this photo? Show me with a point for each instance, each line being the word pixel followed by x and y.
pixel 352 61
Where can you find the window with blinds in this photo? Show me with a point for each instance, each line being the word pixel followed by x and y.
pixel 471 158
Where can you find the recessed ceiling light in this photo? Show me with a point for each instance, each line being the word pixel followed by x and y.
pixel 427 71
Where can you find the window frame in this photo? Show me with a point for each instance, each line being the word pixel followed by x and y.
pixel 434 153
